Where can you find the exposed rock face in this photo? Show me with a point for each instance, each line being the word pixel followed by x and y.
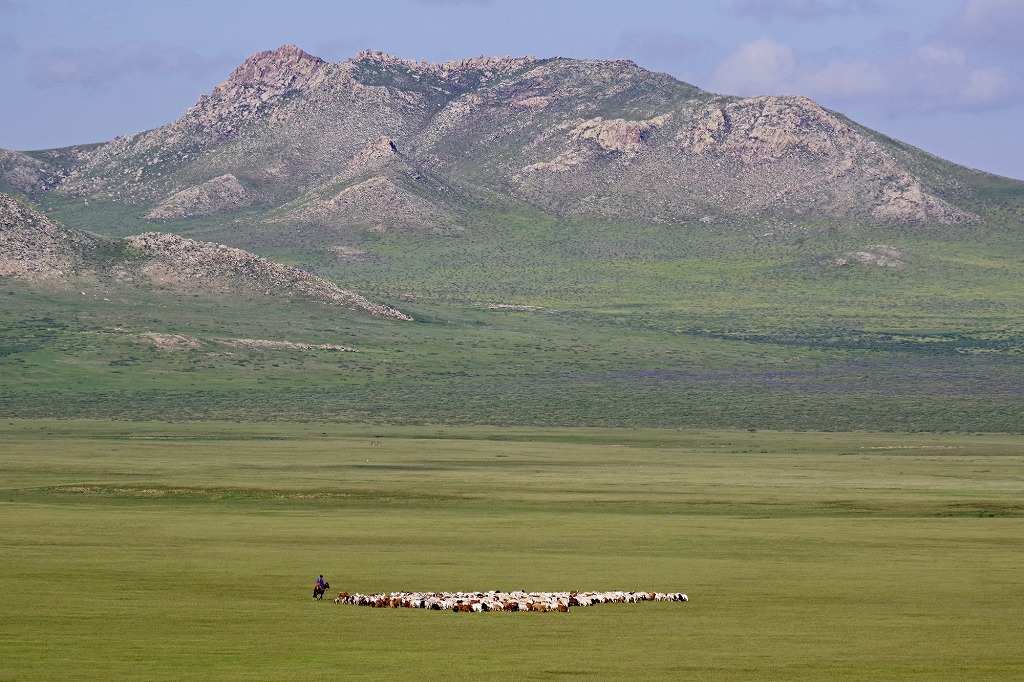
pixel 265 344
pixel 33 247
pixel 26 174
pixel 760 129
pixel 616 135
pixel 808 156
pixel 261 79
pixel 379 190
pixel 170 342
pixel 377 196
pixel 288 67
pixel 218 195
pixel 178 342
pixel 483 68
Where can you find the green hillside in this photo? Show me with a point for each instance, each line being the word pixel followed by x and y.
pixel 560 323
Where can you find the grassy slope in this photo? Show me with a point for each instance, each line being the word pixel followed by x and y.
pixel 170 551
pixel 638 326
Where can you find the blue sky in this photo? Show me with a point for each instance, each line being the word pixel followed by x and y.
pixel 945 75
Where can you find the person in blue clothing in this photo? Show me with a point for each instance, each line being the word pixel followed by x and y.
pixel 320 587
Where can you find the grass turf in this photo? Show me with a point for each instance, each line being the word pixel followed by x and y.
pixel 157 551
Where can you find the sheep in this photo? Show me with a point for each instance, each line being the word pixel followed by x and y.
pixel 477 602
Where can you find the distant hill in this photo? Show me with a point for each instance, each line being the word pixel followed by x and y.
pixel 37 249
pixel 310 149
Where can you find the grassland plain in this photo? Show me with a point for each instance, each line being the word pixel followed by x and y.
pixel 148 550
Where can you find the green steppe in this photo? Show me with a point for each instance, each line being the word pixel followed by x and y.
pixel 614 325
pixel 148 550
pixel 828 460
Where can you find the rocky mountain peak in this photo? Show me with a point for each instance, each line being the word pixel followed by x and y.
pixel 380 57
pixel 444 69
pixel 287 66
pixel 486 63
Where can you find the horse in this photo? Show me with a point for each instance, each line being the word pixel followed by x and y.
pixel 318 590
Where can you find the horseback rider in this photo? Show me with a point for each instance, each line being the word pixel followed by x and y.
pixel 320 587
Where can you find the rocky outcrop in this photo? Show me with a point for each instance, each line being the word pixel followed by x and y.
pixel 22 173
pixel 736 158
pixel 793 152
pixel 482 68
pixel 286 68
pixel 877 255
pixel 179 342
pixel 617 135
pixel 35 248
pixel 763 129
pixel 378 204
pixel 379 190
pixel 261 79
pixel 373 157
pixel 221 194
pixel 266 344
pixel 170 260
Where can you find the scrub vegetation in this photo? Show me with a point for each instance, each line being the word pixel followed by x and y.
pixel 561 324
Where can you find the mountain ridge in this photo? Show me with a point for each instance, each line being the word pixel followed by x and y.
pixel 572 138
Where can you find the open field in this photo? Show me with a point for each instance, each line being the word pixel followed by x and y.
pixel 168 551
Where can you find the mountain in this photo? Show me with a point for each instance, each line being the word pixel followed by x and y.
pixel 581 243
pixel 311 150
pixel 37 249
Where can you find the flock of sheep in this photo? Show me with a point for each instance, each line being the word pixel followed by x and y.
pixel 501 601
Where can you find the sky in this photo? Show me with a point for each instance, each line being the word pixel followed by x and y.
pixel 944 75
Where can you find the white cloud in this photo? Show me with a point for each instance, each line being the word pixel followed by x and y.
pixel 91 67
pixel 341 48
pixel 931 78
pixel 852 78
pixel 759 67
pixel 991 23
pixel 662 44
pixel 804 10
pixel 938 77
pixel 684 56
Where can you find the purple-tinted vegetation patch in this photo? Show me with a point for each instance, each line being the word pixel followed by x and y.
pixel 948 378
